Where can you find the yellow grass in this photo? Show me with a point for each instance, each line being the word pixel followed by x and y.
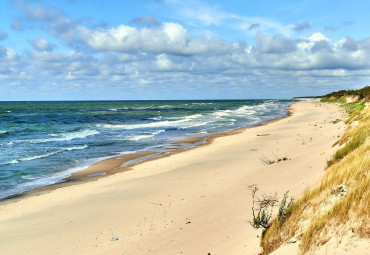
pixel 319 212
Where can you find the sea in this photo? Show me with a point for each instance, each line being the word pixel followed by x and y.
pixel 43 142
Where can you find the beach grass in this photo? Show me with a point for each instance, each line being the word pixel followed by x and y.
pixel 339 203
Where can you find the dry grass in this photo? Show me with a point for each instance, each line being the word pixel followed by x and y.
pixel 313 218
pixel 353 171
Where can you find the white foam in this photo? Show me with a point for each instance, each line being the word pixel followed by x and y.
pixel 222 113
pixel 156 118
pixel 202 103
pixel 144 136
pixel 244 110
pixel 113 109
pixel 6 144
pixel 165 123
pixel 66 136
pixel 11 162
pixel 139 137
pixel 165 106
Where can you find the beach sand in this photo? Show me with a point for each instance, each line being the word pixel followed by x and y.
pixel 193 202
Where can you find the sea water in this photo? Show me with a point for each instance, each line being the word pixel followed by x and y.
pixel 43 142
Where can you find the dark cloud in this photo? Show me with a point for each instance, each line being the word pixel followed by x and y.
pixel 253 27
pixel 322 46
pixel 350 44
pixel 301 26
pixel 365 44
pixel 146 21
pixel 277 44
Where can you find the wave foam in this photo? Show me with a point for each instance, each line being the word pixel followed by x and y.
pixel 144 136
pixel 66 136
pixel 165 123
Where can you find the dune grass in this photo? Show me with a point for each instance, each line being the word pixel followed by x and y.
pixel 320 212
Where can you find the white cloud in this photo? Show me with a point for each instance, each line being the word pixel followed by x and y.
pixel 166 54
pixel 170 37
pixel 41 44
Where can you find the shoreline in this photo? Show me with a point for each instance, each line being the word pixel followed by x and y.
pixel 118 164
pixel 194 202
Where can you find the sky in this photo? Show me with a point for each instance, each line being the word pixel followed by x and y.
pixel 173 49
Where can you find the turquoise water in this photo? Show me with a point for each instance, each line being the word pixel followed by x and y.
pixel 43 142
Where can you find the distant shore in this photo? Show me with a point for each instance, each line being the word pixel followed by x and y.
pixel 190 201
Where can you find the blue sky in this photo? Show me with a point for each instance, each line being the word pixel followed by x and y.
pixel 172 49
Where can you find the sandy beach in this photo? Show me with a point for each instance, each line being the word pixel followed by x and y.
pixel 193 202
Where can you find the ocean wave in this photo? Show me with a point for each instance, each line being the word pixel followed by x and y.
pixel 66 136
pixel 164 106
pixel 221 113
pixel 155 118
pixel 3 133
pixel 144 136
pixel 113 109
pixel 17 161
pixel 56 137
pixel 244 110
pixel 166 123
pixel 139 137
pixel 247 110
pixel 44 180
pixel 6 144
pixel 202 103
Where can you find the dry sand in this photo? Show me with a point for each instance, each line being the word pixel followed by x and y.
pixel 193 202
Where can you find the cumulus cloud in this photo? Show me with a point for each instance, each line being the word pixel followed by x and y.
pixel 41 44
pixel 349 44
pixel 169 38
pixel 276 44
pixel 38 12
pixel 146 53
pixel 46 16
pixel 322 46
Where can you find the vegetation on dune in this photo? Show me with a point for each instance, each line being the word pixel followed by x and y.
pixel 339 204
pixel 363 94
